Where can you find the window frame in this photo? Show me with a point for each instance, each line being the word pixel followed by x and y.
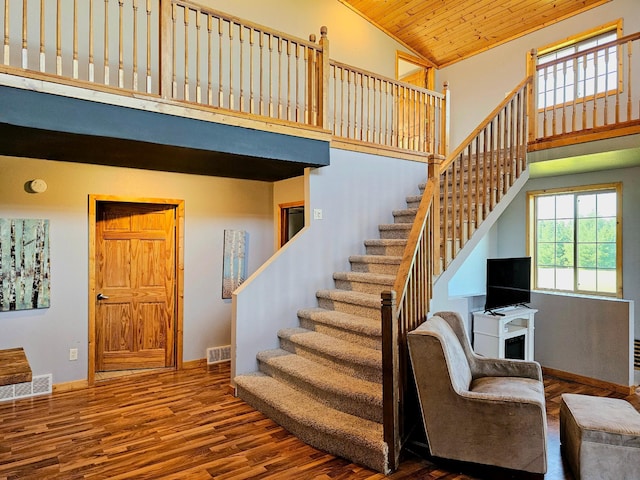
pixel 531 220
pixel 575 41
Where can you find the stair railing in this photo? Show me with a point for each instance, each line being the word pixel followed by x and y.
pixel 459 194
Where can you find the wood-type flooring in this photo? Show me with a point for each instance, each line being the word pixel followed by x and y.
pixel 188 425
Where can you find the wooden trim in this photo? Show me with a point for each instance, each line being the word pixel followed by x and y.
pixel 584 136
pixel 282 222
pixel 70 386
pixel 363 147
pixel 594 382
pixel 577 38
pixel 179 307
pixel 198 363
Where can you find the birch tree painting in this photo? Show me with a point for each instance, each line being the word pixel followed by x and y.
pixel 24 264
pixel 234 268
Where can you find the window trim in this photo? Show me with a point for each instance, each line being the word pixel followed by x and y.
pixel 531 234
pixel 574 40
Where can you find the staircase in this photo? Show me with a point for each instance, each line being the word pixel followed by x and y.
pixel 324 383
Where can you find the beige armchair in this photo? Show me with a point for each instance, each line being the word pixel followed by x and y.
pixel 481 410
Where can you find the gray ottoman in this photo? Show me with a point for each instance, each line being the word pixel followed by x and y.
pixel 600 437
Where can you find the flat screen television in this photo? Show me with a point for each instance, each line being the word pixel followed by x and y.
pixel 508 282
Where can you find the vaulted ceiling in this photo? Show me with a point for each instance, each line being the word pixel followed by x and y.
pixel 446 31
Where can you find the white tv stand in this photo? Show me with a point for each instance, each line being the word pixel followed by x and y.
pixel 491 332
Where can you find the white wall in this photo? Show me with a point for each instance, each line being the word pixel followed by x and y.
pixel 211 206
pixel 356 193
pixel 479 84
pixel 352 40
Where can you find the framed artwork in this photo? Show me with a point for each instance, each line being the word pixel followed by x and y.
pixel 24 264
pixel 234 268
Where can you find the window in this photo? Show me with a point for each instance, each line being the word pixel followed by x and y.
pixel 575 239
pixel 582 76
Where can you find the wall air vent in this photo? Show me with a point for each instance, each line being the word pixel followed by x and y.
pixel 218 354
pixel 39 385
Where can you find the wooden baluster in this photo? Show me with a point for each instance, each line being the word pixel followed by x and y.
pixel 575 95
pixel 7 50
pixel 231 59
pixel 298 116
pixel 174 50
pixel 220 90
pixel 446 204
pixel 241 36
pixel 341 102
pixel 618 85
pixel 554 129
pixel 42 48
pixel 375 120
pixel 58 39
pixel 198 57
pixel 348 103
pixel 492 168
pixel 288 96
pixel 185 20
pixel 606 86
pixel 584 92
pixel 469 182
pixel 505 160
pixel 519 132
pixel 75 39
pixel 564 97
pixel 149 81
pixel 251 95
pixel 120 44
pixel 25 51
pixel 362 118
pixel 476 183
pixel 134 81
pixel 356 125
pixel 91 71
pixel 279 82
pixel 209 60
pixel 261 73
pixel 544 102
pixel 629 83
pixel 271 106
pixel 486 203
pixel 595 90
pixel 106 41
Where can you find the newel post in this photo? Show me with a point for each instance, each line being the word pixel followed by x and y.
pixel 532 95
pixel 390 378
pixel 435 161
pixel 167 20
pixel 323 75
pixel 446 120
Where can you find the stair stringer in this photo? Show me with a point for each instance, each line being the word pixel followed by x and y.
pixel 440 300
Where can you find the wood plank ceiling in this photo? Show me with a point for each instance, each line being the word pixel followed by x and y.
pixel 446 31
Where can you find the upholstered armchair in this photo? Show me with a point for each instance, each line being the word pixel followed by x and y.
pixel 481 410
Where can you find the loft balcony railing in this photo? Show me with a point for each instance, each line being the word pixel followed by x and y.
pixel 588 95
pixel 183 53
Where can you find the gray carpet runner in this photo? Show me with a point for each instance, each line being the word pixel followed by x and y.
pixel 324 383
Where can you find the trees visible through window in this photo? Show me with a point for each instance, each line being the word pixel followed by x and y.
pixel 575 237
pixel 581 76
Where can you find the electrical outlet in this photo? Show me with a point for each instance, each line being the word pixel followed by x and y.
pixel 73 354
pixel 317 214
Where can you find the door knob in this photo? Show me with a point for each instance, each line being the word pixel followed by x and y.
pixel 102 297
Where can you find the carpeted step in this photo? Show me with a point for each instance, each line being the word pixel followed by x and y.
pixel 336 390
pixel 407 215
pixel 413 201
pixel 387 246
pixel 394 230
pixel 365 282
pixel 366 332
pixel 383 264
pixel 336 432
pixel 345 357
pixel 355 303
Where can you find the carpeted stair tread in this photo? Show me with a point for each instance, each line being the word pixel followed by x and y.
pixel 405 212
pixel 338 390
pixel 346 321
pixel 348 296
pixel 366 277
pixel 335 348
pixel 380 259
pixel 385 242
pixel 338 433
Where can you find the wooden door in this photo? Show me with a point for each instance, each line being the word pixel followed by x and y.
pixel 135 285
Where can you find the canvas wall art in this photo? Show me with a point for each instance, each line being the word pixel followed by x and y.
pixel 234 269
pixel 24 264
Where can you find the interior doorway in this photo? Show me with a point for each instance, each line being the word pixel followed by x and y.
pixel 135 284
pixel 291 220
pixel 415 70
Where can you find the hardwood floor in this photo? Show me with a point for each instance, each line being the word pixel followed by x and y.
pixel 188 425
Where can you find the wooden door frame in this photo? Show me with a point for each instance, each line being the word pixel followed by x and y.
pixel 178 206
pixel 282 207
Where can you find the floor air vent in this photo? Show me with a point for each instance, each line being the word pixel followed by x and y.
pixel 218 354
pixel 39 385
